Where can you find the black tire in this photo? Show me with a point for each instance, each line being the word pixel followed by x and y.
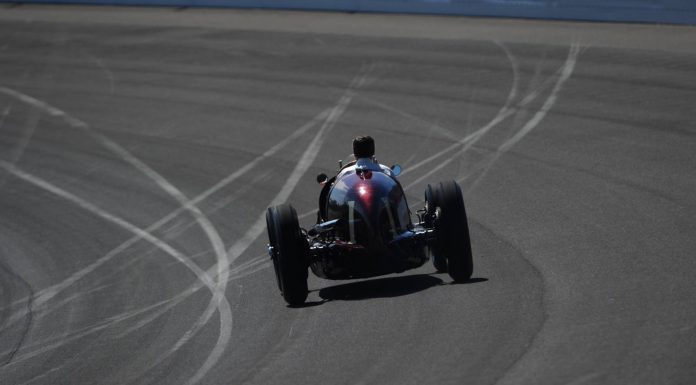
pixel 290 253
pixel 452 230
pixel 431 204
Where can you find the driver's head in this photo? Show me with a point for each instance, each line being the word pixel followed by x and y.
pixel 363 147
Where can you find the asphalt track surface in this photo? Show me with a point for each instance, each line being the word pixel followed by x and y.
pixel 139 150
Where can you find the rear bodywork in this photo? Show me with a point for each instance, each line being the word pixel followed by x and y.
pixel 366 228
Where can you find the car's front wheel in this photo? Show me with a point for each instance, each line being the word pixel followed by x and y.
pixel 452 231
pixel 289 253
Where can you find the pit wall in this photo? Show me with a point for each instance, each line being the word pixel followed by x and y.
pixel 646 11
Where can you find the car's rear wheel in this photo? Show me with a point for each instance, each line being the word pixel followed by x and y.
pixel 436 252
pixel 289 253
pixel 452 230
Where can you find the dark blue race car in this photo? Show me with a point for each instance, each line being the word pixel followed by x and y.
pixel 364 229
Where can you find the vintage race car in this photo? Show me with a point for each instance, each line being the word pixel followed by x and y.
pixel 364 229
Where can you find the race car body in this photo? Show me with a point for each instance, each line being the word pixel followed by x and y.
pixel 364 229
pixel 372 233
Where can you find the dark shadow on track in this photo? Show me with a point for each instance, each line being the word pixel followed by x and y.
pixel 380 288
pixel 383 287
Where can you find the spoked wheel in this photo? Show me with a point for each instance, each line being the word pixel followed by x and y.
pixel 452 231
pixel 289 253
pixel 431 205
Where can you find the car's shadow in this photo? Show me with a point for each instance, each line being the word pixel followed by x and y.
pixel 388 287
pixel 380 288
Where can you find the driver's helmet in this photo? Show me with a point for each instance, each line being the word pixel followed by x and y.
pixel 363 147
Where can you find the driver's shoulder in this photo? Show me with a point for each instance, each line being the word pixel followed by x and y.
pixel 371 166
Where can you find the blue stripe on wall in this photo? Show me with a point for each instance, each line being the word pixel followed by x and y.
pixel 651 11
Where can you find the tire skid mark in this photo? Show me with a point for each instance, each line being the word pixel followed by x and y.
pixel 422 144
pixel 44 311
pixel 445 132
pixel 235 273
pixel 549 103
pixel 497 120
pixel 565 73
pixel 151 312
pixel 197 255
pixel 218 205
pixel 515 72
pixel 44 374
pixel 78 124
pixel 59 287
pixel 505 111
pixel 218 301
pixel 239 191
pixel 263 265
pixel 43 298
pixel 45 346
pixel 502 114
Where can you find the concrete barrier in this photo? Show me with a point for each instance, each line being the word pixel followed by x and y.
pixel 648 11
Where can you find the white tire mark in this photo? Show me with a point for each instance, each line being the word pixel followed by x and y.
pixel 45 185
pixel 474 137
pixel 219 300
pixel 59 287
pixel 502 114
pixel 550 101
pixel 565 73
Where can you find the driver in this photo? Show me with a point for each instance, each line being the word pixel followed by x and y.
pixel 364 154
pixel 363 147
